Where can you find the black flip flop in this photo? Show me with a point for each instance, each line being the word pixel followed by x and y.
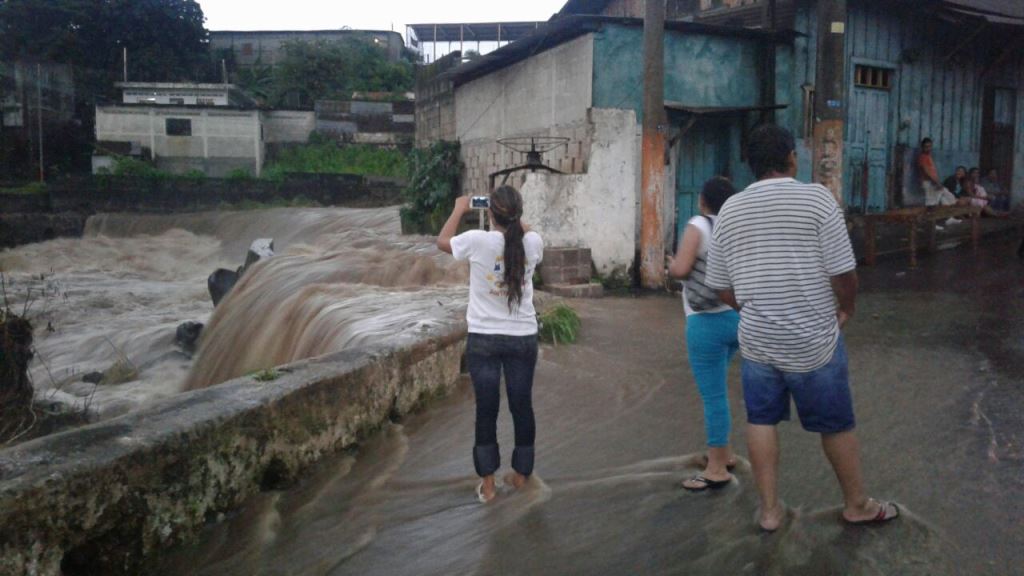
pixel 881 518
pixel 708 484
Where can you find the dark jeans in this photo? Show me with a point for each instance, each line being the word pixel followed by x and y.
pixel 487 355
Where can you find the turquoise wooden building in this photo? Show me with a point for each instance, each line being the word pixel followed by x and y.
pixel 946 70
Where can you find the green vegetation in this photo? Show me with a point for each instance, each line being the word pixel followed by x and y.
pixel 165 41
pixel 266 375
pixel 134 168
pixel 30 189
pixel 559 325
pixel 239 175
pixel 616 280
pixel 310 71
pixel 197 176
pixel 433 185
pixel 322 156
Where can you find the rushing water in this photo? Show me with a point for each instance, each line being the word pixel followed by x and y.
pixel 936 358
pixel 619 425
pixel 341 277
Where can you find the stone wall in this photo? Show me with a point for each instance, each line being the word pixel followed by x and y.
pixel 61 211
pixel 378 123
pixel 600 208
pixel 485 156
pixel 546 95
pixel 105 498
pixel 30 227
pixel 435 102
pixel 287 126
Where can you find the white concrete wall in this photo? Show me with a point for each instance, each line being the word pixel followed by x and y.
pixel 596 210
pixel 216 134
pixel 187 96
pixel 288 126
pixel 551 88
pixel 546 95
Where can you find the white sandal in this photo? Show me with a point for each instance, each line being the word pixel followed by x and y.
pixel 480 493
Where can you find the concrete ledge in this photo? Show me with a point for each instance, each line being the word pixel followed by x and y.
pixel 589 290
pixel 104 498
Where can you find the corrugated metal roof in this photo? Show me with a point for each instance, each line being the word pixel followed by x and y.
pixel 474 31
pixel 583 7
pixel 1012 9
pixel 996 11
pixel 567 28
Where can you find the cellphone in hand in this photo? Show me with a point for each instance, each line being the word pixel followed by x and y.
pixel 480 202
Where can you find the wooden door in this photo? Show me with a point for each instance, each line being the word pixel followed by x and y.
pixel 703 153
pixel 997 133
pixel 867 152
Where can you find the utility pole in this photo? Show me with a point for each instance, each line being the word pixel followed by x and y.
pixel 652 179
pixel 39 119
pixel 830 97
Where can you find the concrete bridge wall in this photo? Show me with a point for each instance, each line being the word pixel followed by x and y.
pixel 104 498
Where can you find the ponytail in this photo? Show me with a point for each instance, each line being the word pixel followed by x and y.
pixel 507 209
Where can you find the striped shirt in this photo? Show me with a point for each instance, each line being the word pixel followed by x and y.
pixel 776 245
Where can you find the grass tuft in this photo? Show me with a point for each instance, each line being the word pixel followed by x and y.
pixel 559 325
pixel 266 375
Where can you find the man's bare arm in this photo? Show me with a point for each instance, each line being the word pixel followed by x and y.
pixel 845 288
pixel 729 297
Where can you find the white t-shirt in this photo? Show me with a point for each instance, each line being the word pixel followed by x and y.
pixel 488 311
pixel 699 271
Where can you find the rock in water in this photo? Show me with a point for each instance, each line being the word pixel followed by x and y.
pixel 220 283
pixel 122 371
pixel 259 249
pixel 93 377
pixel 187 336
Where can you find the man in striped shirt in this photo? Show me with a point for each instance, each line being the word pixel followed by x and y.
pixel 781 255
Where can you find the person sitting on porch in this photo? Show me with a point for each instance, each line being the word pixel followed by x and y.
pixel 955 182
pixel 978 195
pixel 1000 198
pixel 935 194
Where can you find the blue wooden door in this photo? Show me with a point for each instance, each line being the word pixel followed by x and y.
pixel 867 150
pixel 703 153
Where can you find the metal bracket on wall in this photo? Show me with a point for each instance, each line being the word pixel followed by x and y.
pixel 534 147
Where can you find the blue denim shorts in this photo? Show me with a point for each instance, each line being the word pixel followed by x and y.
pixel 822 396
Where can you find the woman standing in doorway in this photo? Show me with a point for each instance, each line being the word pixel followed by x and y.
pixel 502 328
pixel 711 340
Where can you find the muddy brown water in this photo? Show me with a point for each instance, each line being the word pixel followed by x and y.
pixel 340 278
pixel 937 374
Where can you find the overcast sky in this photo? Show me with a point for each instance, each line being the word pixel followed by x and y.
pixel 367 14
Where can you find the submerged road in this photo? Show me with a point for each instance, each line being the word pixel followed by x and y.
pixel 937 363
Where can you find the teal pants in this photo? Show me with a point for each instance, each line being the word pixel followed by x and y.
pixel 711 342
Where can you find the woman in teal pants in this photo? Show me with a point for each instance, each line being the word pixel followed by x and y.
pixel 711 339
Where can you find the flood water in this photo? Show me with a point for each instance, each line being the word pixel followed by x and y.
pixel 340 278
pixel 936 361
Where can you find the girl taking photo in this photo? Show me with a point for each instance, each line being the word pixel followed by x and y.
pixel 502 328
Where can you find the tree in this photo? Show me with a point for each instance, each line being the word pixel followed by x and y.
pixel 318 70
pixel 165 41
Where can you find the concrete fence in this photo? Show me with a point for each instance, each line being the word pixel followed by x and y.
pixel 63 208
pixel 106 498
